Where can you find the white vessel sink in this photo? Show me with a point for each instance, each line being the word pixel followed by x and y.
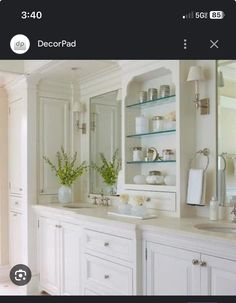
pixel 222 228
pixel 78 205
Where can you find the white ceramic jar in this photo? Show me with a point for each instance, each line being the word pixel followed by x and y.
pixel 155 178
pixel 137 154
pixel 170 180
pixel 157 123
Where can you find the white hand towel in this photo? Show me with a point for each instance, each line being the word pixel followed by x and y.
pixel 196 187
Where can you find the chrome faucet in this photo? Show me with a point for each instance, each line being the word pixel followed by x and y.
pixel 234 212
pixel 95 200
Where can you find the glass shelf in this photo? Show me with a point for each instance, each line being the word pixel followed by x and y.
pixel 148 162
pixel 152 133
pixel 158 101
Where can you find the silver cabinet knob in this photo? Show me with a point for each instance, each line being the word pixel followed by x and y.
pixel 106 244
pixel 21 189
pixel 195 262
pixel 16 202
pixel 203 263
pixel 106 276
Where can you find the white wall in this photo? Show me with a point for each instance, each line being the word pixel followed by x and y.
pixel 206 130
pixel 3 178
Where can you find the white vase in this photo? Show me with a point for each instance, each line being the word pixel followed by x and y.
pixel 65 194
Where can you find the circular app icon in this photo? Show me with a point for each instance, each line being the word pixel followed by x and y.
pixel 20 274
pixel 20 44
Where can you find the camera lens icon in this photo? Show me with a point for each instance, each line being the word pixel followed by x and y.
pixel 20 274
pixel 20 44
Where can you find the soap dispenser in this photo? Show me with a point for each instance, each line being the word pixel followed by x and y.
pixel 214 209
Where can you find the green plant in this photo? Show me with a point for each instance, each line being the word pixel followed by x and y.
pixel 66 169
pixel 109 169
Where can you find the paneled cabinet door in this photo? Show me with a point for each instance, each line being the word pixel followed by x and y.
pixel 70 259
pixel 53 134
pixel 15 238
pixel 17 135
pixel 218 276
pixel 49 232
pixel 171 271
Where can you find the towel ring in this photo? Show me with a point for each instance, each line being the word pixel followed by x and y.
pixel 224 160
pixel 205 152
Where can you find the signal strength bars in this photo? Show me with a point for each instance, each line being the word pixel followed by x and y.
pixel 189 16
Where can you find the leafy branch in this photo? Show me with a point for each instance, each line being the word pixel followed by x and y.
pixel 109 169
pixel 66 169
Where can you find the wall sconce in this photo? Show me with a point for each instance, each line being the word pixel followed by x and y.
pixel 78 109
pixel 195 74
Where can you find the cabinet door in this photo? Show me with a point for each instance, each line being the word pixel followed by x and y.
pixel 70 259
pixel 218 276
pixel 49 255
pixel 54 133
pixel 170 271
pixel 16 244
pixel 17 135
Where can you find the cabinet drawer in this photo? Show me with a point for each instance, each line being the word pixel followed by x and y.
pixel 162 201
pixel 110 245
pixel 15 203
pixel 106 274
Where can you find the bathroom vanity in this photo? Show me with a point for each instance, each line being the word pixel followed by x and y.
pixel 88 252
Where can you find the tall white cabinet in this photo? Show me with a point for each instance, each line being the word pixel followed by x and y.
pixel 17 125
pixel 17 133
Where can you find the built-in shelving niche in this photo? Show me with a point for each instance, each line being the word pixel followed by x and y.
pixel 160 140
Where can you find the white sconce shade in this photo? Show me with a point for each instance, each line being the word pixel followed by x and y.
pixel 195 74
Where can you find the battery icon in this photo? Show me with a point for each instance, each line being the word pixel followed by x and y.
pixel 216 14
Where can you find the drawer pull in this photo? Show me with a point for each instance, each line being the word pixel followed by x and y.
pixel 106 276
pixel 203 263
pixel 106 244
pixel 21 189
pixel 16 203
pixel 195 262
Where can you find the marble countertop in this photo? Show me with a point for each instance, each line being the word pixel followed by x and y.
pixel 172 226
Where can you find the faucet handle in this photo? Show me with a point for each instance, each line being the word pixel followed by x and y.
pixel 95 198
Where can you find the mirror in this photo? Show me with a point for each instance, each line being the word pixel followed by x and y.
pixel 105 134
pixel 226 131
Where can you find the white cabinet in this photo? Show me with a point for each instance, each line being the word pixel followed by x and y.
pixel 70 259
pixel 108 264
pixel 49 255
pixel 59 257
pixel 170 271
pixel 108 277
pixel 218 276
pixel 174 271
pixel 17 135
pixel 53 134
pixel 16 244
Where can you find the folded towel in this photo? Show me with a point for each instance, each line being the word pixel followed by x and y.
pixel 221 187
pixel 196 187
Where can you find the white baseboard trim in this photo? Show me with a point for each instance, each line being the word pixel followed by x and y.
pixel 4 273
